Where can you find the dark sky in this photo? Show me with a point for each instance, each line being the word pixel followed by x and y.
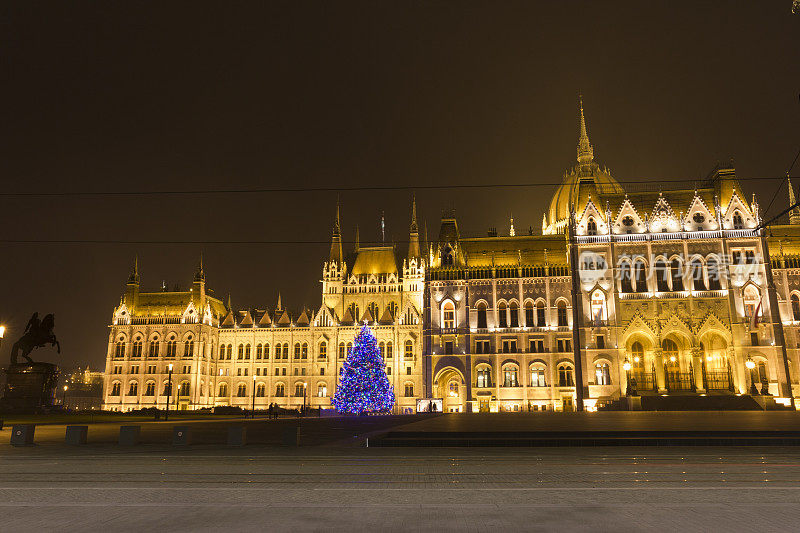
pixel 137 96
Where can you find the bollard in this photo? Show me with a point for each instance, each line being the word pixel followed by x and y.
pixel 237 435
pixel 76 435
pixel 129 435
pixel 181 436
pixel 290 436
pixel 22 434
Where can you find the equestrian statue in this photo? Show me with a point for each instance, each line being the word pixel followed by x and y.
pixel 37 334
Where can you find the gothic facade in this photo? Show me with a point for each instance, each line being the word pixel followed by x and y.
pixel 625 293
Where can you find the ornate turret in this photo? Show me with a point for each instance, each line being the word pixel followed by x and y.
pixel 585 150
pixel 413 233
pixel 336 254
pixel 132 286
pixel 512 232
pixel 133 279
pixel 200 275
pixel 794 214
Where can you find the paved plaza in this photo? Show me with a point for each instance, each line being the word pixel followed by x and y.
pixel 362 489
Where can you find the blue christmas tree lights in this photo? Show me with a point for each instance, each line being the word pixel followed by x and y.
pixel 363 385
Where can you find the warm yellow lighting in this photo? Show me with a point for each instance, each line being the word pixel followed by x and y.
pixel 750 364
pixel 2 331
pixel 636 359
pixel 672 359
pixel 170 367
pixel 65 388
pixel 626 365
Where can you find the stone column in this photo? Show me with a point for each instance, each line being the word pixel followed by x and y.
pixel 658 362
pixel 697 368
pixel 737 366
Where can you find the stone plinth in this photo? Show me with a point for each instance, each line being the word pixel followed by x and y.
pixel 29 387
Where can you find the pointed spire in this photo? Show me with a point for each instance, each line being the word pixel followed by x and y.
pixel 585 150
pixel 200 275
pixel 357 243
pixel 228 306
pixel 413 234
pixel 134 277
pixel 383 228
pixel 512 232
pixel 280 305
pixel 336 254
pixel 794 214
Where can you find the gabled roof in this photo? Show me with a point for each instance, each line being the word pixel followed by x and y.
pixel 285 319
pixel 265 320
pixel 375 260
pixel 303 320
pixel 247 319
pixel 367 317
pixel 348 317
pixel 387 317
pixel 228 322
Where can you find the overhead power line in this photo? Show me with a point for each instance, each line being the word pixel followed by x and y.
pixel 693 182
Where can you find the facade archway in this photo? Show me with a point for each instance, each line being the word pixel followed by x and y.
pixel 452 388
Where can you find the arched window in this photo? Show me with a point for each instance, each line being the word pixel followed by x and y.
pixel 562 313
pixel 393 309
pixel 286 350
pixel 738 222
pixel 188 349
pixel 447 256
pixel 448 315
pixel 299 390
pixel 640 276
pixel 266 351
pixel 382 348
pixel 389 350
pixel 669 351
pixel 342 352
pixel 409 392
pixel 599 313
pixel 153 349
pixel 247 351
pixel 241 352
pixel 133 388
pixel 712 268
pixel 172 348
pixel 137 348
pixel 662 276
pixel 637 356
pixel 795 307
pixel 566 375
pixel 297 350
pixel 223 389
pixel 304 351
pixel 625 276
pixel 513 314
pixel 150 388
pixel 541 321
pixel 242 392
pixel 373 310
pixel 115 388
pixel 502 315
pixel 763 377
pixel 602 374
pixel 322 390
pixel 353 308
pixel 752 302
pixel 280 391
pixel 261 390
pixel 591 227
pixel 677 275
pixel 409 350
pixel 323 351
pixel 259 350
pixel 484 377
pixel 537 376
pixel 696 271
pixel 349 348
pixel 184 389
pixel 482 315
pixel 119 349
pixel 510 376
pixel 530 319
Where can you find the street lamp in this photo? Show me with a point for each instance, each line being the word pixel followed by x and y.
pixel 169 391
pixel 64 398
pixel 751 365
pixel 627 366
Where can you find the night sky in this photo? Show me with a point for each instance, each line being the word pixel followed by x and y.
pixel 132 96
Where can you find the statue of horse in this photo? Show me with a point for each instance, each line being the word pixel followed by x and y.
pixel 37 334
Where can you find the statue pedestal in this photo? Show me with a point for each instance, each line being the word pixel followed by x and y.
pixel 29 387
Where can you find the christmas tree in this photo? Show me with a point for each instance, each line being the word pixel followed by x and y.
pixel 363 385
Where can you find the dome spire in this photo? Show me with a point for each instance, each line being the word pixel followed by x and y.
pixel 585 150
pixel 794 214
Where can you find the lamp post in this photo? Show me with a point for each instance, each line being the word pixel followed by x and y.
pixel 253 410
pixel 2 334
pixel 169 391
pixel 64 397
pixel 627 366
pixel 751 365
pixel 305 390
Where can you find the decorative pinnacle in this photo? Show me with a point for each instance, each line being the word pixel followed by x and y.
pixel 280 306
pixel 414 227
pixel 585 150
pixel 337 225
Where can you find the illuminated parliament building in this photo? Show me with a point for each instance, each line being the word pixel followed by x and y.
pixel 627 297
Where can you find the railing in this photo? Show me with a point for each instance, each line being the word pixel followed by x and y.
pixel 669 236
pixel 718 380
pixel 643 381
pixel 679 381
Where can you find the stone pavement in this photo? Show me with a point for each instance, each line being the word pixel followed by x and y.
pixel 367 489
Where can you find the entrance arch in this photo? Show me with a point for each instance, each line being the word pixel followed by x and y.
pixel 451 386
